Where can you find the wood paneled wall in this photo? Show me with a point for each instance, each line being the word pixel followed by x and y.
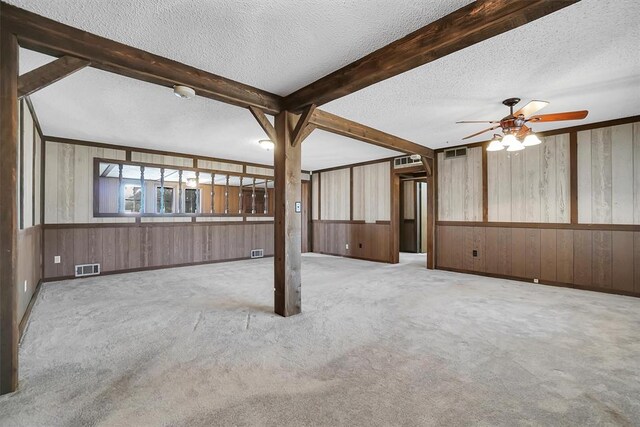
pixel 366 241
pixel 29 265
pixel 532 185
pixel 605 260
pixel 609 175
pixel 124 247
pixel 315 197
pixel 160 159
pixel 460 187
pixel 335 195
pixel 372 192
pixel 69 182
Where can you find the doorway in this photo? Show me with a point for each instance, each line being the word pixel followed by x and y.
pixel 413 213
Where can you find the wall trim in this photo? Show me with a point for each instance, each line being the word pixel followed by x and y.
pixel 568 226
pixel 148 224
pixel 159 267
pixel 24 322
pixel 543 282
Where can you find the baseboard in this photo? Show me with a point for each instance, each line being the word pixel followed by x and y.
pixel 544 282
pixel 386 261
pixel 158 267
pixel 27 313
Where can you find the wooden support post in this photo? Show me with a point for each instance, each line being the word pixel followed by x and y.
pixel 8 211
pixel 48 74
pixel 288 225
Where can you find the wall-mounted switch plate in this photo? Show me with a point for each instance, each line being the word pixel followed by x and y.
pixel 346 246
pixel 56 259
pixel 25 286
pixel 475 253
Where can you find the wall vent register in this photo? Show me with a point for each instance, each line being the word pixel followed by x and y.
pixel 406 161
pixel 87 270
pixel 257 253
pixel 455 152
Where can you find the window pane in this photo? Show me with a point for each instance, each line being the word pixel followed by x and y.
pixel 108 187
pixel 132 198
pixel 205 192
pixel 191 200
pixel 219 189
pixel 234 194
pixel 171 177
pixel 152 178
pixel 167 197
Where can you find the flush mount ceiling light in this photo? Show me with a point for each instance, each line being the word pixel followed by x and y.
pixel 415 157
pixel 183 92
pixel 267 144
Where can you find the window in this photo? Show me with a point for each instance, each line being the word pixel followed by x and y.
pixel 191 196
pixel 132 198
pixel 164 199
pixel 131 188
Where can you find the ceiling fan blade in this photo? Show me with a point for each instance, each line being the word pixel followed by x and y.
pixel 482 131
pixel 479 121
pixel 556 117
pixel 531 108
pixel 524 130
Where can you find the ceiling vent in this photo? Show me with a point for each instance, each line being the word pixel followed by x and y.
pixel 405 162
pixel 455 152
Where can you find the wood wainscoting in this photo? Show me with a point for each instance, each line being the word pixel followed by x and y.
pixel 369 241
pixel 603 258
pixel 29 271
pixel 141 246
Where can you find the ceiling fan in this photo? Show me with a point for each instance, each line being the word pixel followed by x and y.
pixel 514 126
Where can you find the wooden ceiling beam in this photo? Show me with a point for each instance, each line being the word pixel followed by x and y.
pixel 264 123
pixel 465 27
pixel 48 74
pixel 341 126
pixel 298 134
pixel 44 35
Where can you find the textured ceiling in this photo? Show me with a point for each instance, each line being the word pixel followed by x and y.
pixel 582 57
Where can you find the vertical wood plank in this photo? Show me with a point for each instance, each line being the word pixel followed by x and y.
pixel 548 255
pixel 582 255
pixel 491 250
pixel 636 262
pixel 622 174
pixel 504 251
pixel 622 267
pixel 518 183
pixel 492 186
pixel 548 204
pixel 602 258
pixel 584 177
pixel 601 175
pixel 504 186
pixel 564 250
pixel 636 173
pixel 518 252
pixel 532 253
pixel 532 182
pixel 566 179
pixel 468 244
pixel 479 245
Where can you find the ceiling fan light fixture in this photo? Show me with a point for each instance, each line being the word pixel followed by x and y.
pixel 509 139
pixel 531 139
pixel 267 144
pixel 516 145
pixel 495 144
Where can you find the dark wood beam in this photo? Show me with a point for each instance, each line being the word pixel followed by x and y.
pixel 427 166
pixel 48 74
pixel 287 222
pixel 44 35
pixel 466 26
pixel 9 332
pixel 264 123
pixel 340 126
pixel 303 122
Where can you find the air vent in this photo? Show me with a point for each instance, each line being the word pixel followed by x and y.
pixel 455 152
pixel 407 161
pixel 87 270
pixel 257 253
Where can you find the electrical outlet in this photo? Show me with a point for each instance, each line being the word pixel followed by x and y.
pixel 536 281
pixel 56 259
pixel 346 246
pixel 475 253
pixel 360 245
pixel 25 286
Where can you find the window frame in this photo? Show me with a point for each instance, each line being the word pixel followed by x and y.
pixel 243 176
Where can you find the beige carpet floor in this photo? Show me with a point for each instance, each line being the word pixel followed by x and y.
pixel 376 345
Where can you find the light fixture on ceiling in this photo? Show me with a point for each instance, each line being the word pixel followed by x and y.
pixel 415 157
pixel 267 144
pixel 509 139
pixel 531 139
pixel 192 183
pixel 495 144
pixel 515 145
pixel 183 92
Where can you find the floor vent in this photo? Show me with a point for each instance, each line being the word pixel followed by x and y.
pixel 87 270
pixel 404 162
pixel 257 253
